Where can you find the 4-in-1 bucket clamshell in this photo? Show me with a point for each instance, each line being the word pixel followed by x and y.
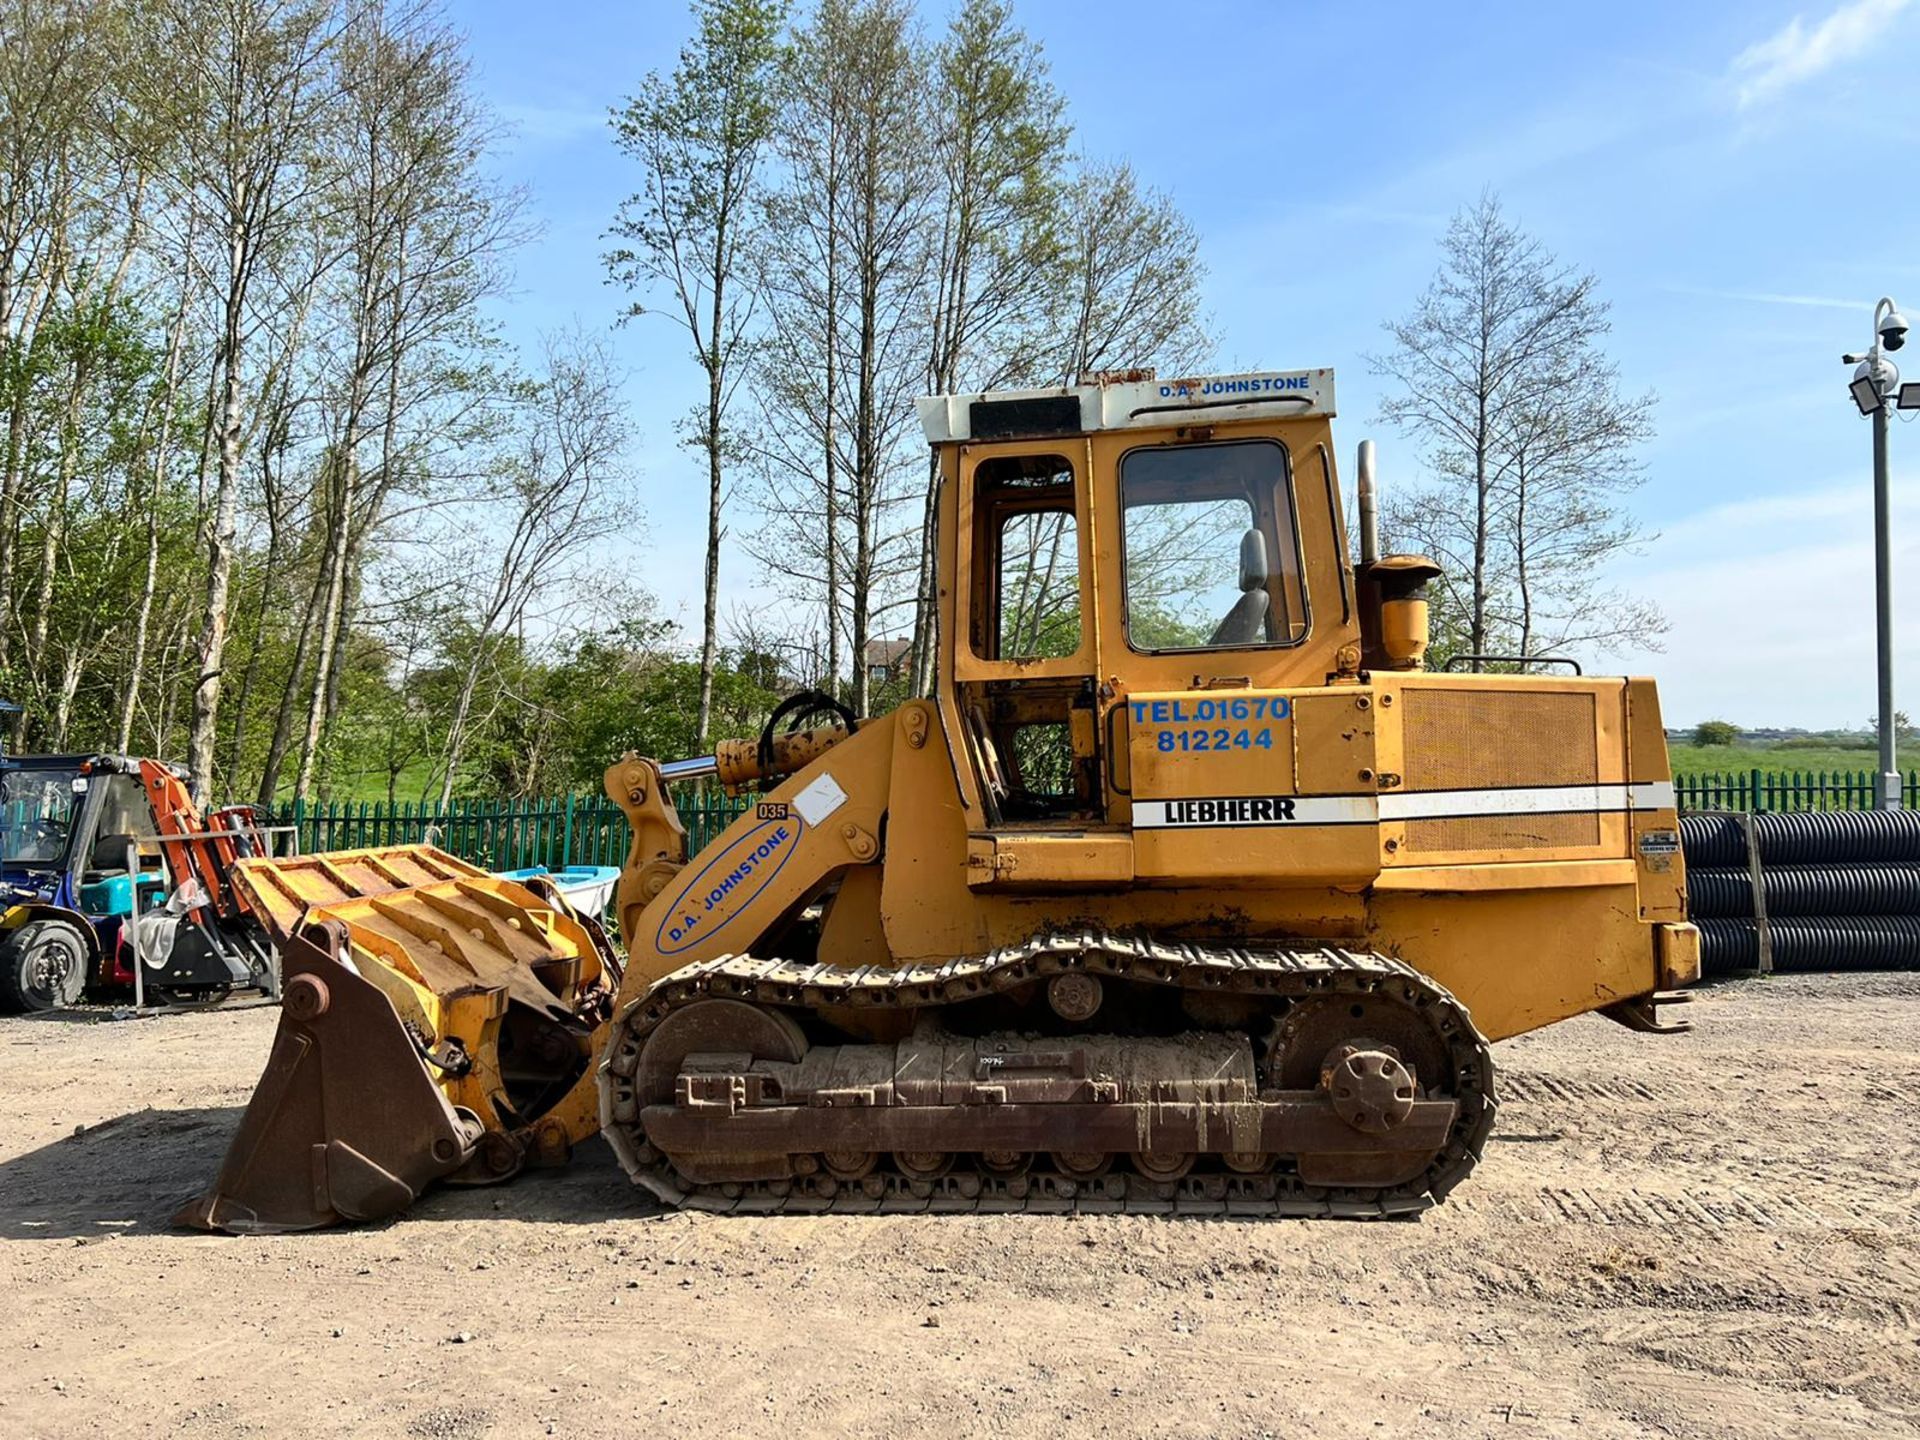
pixel 438 1023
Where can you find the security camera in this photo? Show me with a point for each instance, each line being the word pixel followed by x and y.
pixel 1893 330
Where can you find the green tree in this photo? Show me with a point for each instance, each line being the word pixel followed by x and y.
pixel 1715 732
pixel 1903 730
pixel 699 135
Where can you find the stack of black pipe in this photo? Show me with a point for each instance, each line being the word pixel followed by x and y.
pixel 1842 889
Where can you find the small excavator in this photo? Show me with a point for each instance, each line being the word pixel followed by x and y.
pixel 1191 890
pixel 113 884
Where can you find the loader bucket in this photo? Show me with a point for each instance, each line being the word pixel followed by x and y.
pixel 438 1022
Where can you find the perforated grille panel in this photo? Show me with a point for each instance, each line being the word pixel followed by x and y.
pixel 1496 740
pixel 1503 832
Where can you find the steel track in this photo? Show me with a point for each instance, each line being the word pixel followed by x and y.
pixel 1282 975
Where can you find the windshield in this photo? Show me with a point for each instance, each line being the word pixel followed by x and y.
pixel 1208 535
pixel 36 815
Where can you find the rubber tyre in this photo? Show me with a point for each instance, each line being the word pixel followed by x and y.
pixel 43 966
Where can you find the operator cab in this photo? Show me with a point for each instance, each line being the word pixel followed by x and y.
pixel 1127 535
pixel 78 827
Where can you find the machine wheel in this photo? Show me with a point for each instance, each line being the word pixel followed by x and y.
pixel 43 966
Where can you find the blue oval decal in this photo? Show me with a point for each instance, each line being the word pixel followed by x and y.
pixel 727 882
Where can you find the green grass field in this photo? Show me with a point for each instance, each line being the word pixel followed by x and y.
pixel 1775 759
pixel 415 781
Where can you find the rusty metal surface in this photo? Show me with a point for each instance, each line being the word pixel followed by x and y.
pixel 439 1022
pixel 283 890
pixel 1283 1126
pixel 345 1123
pixel 1079 1122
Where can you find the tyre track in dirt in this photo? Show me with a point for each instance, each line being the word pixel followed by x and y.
pixel 1715 1235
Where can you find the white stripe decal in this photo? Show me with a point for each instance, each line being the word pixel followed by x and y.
pixel 1537 800
pixel 1656 796
pixel 1253 811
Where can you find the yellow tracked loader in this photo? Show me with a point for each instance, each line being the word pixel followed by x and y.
pixel 1191 890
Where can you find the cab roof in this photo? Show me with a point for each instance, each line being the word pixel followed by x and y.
pixel 93 760
pixel 1126 400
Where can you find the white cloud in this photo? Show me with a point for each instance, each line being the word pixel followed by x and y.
pixel 551 124
pixel 1770 297
pixel 1797 52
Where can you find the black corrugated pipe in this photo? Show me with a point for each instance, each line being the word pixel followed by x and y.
pixel 1856 942
pixel 1815 837
pixel 1826 890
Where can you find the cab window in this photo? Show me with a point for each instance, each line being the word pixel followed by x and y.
pixel 1211 547
pixel 36 815
pixel 1026 534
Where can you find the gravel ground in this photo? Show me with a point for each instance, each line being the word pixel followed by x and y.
pixel 1711 1234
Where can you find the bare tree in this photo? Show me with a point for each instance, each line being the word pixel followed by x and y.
pixel 559 489
pixel 160 421
pixel 1497 372
pixel 797 385
pixel 699 136
pixel 425 234
pixel 1128 291
pixel 1000 136
pixel 846 343
pixel 889 264
pixel 1569 453
pixel 50 79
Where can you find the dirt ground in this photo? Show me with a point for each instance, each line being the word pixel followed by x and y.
pixel 1714 1234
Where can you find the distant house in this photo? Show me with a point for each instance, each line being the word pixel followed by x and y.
pixel 886 659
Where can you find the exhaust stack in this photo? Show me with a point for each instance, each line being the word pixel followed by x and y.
pixel 1393 588
pixel 1369 507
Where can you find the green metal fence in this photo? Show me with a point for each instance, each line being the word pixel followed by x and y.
pixel 590 829
pixel 1767 790
pixel 503 834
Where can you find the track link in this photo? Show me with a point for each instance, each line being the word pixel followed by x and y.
pixel 1283 976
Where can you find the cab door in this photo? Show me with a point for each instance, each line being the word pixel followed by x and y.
pixel 1235 759
pixel 1026 669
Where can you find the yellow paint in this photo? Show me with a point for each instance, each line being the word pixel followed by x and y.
pixel 449 945
pixel 1528 918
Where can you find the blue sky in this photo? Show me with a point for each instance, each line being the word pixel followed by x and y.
pixel 1739 176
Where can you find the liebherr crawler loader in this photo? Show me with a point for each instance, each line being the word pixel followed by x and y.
pixel 1190 889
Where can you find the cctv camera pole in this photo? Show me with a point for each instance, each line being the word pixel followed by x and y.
pixel 1883 379
pixel 1889 787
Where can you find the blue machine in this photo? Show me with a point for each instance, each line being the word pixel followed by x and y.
pixel 78 874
